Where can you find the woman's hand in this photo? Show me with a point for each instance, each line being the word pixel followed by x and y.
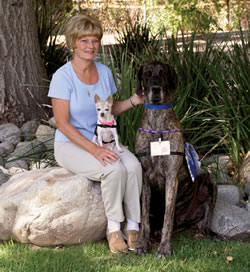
pixel 137 100
pixel 122 106
pixel 105 155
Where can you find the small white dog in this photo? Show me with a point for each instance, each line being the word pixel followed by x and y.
pixel 106 132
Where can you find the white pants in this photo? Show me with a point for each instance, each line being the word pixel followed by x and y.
pixel 121 182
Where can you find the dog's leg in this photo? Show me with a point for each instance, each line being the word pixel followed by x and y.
pixel 117 142
pixel 99 138
pixel 144 234
pixel 208 196
pixel 165 247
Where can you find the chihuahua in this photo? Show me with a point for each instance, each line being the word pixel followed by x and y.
pixel 106 132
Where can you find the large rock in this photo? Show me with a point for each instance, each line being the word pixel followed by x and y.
pixel 28 151
pixel 229 193
pixel 21 164
pixel 3 178
pixel 45 134
pixel 220 166
pixel 29 130
pixel 51 207
pixel 230 221
pixel 6 148
pixel 10 133
pixel 1 161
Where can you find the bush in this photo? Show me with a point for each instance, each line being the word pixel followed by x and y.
pixel 212 103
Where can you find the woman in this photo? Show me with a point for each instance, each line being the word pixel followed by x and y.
pixel 72 90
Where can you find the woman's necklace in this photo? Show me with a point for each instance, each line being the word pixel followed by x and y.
pixel 88 76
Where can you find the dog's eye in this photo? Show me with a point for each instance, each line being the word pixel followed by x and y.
pixel 161 72
pixel 148 73
pixel 106 109
pixel 98 109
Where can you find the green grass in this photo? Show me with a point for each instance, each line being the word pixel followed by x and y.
pixel 190 254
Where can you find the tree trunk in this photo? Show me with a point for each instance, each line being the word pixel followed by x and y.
pixel 22 73
pixel 228 11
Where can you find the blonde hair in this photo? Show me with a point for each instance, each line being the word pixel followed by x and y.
pixel 79 26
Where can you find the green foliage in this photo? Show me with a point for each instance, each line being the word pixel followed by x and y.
pixel 129 121
pixel 135 39
pixel 50 16
pixel 213 96
pixel 182 15
pixel 238 11
pixel 111 16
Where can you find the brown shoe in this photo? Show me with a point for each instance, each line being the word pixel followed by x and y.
pixel 116 242
pixel 132 236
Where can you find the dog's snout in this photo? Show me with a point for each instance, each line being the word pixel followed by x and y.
pixel 102 114
pixel 156 89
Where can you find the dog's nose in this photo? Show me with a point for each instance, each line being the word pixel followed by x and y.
pixel 156 89
pixel 102 114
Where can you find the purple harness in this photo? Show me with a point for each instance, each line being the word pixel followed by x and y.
pixel 159 132
pixel 190 154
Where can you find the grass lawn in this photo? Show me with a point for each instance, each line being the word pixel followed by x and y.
pixel 191 253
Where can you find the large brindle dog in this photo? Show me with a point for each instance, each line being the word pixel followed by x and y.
pixel 167 185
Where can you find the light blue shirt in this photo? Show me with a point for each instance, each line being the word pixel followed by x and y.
pixel 66 85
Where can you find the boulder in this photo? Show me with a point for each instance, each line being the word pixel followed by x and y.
pixel 21 164
pixel 3 178
pixel 1 161
pixel 52 122
pixel 45 134
pixel 51 207
pixel 29 130
pixel 230 221
pixel 11 171
pixel 10 133
pixel 6 148
pixel 229 193
pixel 221 166
pixel 28 151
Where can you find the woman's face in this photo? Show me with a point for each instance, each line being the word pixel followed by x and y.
pixel 86 47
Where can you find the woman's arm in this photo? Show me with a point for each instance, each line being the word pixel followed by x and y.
pixel 61 114
pixel 122 106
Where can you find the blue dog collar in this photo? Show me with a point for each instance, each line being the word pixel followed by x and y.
pixel 158 107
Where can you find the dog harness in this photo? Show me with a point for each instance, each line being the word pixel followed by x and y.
pixel 158 107
pixel 109 124
pixel 143 154
pixel 190 154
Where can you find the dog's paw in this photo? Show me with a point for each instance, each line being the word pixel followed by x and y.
pixel 163 252
pixel 119 149
pixel 141 248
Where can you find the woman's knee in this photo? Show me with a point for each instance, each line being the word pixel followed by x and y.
pixel 134 166
pixel 117 171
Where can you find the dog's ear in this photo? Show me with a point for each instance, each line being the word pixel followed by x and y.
pixel 172 79
pixel 97 98
pixel 110 99
pixel 139 89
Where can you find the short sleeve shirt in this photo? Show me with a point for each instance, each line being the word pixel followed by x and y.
pixel 66 85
